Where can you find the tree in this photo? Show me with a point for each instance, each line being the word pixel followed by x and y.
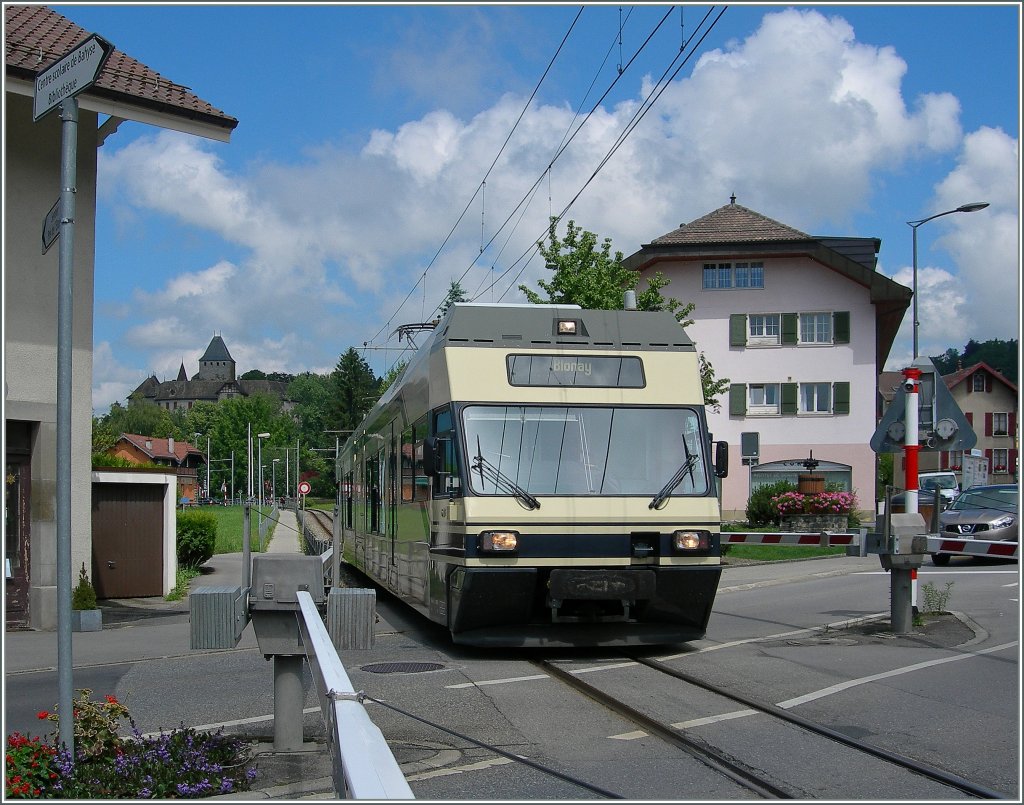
pixel 594 278
pixel 355 390
pixel 1000 355
pixel 455 294
pixel 392 375
pixel 143 418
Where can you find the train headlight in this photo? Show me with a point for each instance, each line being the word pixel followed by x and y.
pixel 691 540
pixel 566 327
pixel 499 541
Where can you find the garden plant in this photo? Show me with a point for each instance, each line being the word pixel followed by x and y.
pixel 183 763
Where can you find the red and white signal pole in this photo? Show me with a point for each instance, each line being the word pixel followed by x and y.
pixel 911 443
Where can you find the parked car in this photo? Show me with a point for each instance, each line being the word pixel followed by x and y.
pixel 981 512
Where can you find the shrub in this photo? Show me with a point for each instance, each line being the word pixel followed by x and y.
pixel 181 764
pixel 197 536
pixel 760 511
pixel 84 595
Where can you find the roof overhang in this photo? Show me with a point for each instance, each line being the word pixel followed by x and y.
pixel 120 111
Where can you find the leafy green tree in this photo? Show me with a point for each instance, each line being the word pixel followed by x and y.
pixel 455 294
pixel 143 418
pixel 591 276
pixel 1000 355
pixel 355 390
pixel 253 374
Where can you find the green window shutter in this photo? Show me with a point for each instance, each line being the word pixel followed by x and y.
pixel 789 398
pixel 789 328
pixel 840 398
pixel 841 327
pixel 738 399
pixel 738 330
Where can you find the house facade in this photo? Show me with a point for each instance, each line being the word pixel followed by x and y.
pixel 990 403
pixel 183 457
pixel 801 327
pixel 35 37
pixel 215 381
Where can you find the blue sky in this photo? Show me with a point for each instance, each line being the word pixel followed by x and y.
pixel 353 190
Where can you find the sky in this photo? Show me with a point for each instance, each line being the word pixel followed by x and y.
pixel 384 151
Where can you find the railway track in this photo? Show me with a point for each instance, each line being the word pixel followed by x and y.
pixel 317 530
pixel 747 775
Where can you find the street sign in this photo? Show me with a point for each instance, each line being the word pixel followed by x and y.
pixel 942 425
pixel 73 74
pixel 51 225
pixel 304 488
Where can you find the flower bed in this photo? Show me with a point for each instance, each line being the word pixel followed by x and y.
pixel 822 511
pixel 183 763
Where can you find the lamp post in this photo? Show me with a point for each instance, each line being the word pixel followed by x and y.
pixel 259 461
pixel 912 375
pixel 972 207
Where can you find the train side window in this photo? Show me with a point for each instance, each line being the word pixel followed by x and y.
pixel 446 480
pixel 415 483
pixel 347 493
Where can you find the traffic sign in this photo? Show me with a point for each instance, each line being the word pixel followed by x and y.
pixel 942 425
pixel 73 74
pixel 51 225
pixel 304 488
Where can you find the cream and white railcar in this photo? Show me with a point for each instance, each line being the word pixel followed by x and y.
pixel 541 475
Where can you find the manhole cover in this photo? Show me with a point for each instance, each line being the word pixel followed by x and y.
pixel 402 667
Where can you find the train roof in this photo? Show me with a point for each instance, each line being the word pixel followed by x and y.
pixel 536 326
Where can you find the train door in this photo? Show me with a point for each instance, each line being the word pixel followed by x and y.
pixel 447 483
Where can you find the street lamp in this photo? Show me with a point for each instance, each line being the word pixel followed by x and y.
pixel 259 461
pixel 972 207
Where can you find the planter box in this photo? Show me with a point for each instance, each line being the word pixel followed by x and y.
pixel 86 620
pixel 814 523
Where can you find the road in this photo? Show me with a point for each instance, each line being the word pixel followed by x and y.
pixel 955 706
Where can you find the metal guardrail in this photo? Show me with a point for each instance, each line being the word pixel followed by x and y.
pixel 362 764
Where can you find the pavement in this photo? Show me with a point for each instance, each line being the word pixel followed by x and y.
pixel 306 774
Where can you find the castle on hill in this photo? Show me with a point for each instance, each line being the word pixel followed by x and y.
pixel 215 381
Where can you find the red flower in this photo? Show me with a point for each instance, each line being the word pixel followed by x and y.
pixel 42 714
pixel 111 699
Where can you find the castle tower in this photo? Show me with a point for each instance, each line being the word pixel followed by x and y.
pixel 216 363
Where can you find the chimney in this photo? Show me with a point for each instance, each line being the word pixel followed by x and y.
pixel 170 445
pixel 149 444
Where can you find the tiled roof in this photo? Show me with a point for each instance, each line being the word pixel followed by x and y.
pixel 217 351
pixel 957 377
pixel 158 448
pixel 36 36
pixel 730 224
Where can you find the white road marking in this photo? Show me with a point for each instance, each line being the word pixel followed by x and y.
pixel 236 723
pixel 483 764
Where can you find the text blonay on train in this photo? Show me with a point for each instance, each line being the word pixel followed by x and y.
pixel 541 475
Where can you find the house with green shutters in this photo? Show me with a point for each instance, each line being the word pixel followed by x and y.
pixel 801 326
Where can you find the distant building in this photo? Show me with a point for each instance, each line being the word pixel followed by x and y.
pixel 153 450
pixel 215 381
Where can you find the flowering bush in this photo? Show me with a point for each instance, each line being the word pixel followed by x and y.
pixel 29 766
pixel 179 764
pixel 789 503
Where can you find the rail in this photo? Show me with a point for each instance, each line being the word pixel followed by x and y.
pixel 362 764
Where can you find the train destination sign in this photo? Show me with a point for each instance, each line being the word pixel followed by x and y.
pixel 73 74
pixel 626 372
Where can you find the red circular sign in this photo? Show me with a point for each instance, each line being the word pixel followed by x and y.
pixel 304 488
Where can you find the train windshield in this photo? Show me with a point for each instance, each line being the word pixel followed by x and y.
pixel 559 450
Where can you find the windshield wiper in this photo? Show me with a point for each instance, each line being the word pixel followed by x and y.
pixel 691 460
pixel 500 480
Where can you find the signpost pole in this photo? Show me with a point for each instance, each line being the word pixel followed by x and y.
pixel 65 308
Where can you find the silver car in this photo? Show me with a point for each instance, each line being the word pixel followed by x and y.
pixel 981 512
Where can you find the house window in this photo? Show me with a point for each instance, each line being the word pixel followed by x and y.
pixel 750 275
pixel 815 328
pixel 956 460
pixel 1000 458
pixel 978 379
pixel 763 399
pixel 718 276
pixel 999 425
pixel 815 398
pixel 765 328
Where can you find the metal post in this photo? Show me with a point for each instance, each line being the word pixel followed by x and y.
pixel 911 443
pixel 65 346
pixel 246 546
pixel 901 608
pixel 287 703
pixel 209 492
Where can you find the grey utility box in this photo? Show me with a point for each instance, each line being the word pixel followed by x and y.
pixel 217 617
pixel 273 600
pixel 908 542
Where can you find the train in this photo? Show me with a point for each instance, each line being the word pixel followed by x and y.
pixel 541 475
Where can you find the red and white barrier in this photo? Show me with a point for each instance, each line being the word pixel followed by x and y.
pixel 972 547
pixel 825 539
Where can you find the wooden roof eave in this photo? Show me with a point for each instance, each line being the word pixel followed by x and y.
pixel 122 107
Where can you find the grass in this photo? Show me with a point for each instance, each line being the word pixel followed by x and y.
pixel 229 528
pixel 184 576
